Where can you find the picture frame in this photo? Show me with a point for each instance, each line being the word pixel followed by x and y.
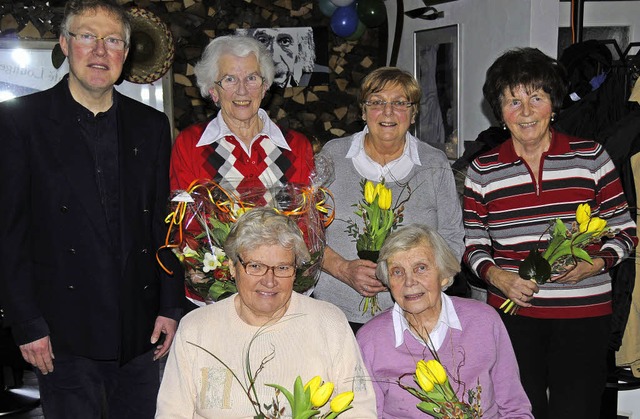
pixel 437 71
pixel 26 67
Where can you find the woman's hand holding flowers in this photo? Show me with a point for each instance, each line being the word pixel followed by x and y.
pixel 578 272
pixel 359 274
pixel 513 286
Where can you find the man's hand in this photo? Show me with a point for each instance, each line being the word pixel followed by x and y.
pixel 168 327
pixel 39 354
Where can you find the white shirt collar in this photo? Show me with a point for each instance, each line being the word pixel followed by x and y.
pixel 396 169
pixel 448 319
pixel 217 129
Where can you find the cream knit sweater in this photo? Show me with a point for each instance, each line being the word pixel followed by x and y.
pixel 313 338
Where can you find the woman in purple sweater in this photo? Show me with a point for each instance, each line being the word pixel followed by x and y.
pixel 471 341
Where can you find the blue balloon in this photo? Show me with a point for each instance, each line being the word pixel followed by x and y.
pixel 326 7
pixel 358 33
pixel 344 21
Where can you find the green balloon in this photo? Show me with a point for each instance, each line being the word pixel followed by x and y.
pixel 372 12
pixel 358 33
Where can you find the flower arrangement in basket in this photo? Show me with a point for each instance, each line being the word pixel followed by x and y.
pixel 202 216
pixel 378 219
pixel 565 247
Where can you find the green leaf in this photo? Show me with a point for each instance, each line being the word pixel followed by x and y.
pixel 563 249
pixel 306 414
pixel 428 407
pixel 222 289
pixel 582 254
pixel 301 398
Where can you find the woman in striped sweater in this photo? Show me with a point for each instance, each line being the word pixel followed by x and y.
pixel 512 193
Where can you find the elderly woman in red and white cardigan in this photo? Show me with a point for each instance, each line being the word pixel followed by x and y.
pixel 241 147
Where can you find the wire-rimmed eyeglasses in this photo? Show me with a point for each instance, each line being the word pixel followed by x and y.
pixel 90 40
pixel 396 105
pixel 251 82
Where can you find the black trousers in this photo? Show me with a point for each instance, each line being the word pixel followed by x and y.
pixel 567 358
pixel 82 388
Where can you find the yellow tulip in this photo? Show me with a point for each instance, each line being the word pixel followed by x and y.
pixel 422 376
pixel 436 371
pixel 321 396
pixel 379 186
pixel 595 225
pixel 583 213
pixel 341 401
pixel 384 198
pixel 369 192
pixel 314 384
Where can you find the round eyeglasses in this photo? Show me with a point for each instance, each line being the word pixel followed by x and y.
pixel 251 82
pixel 89 40
pixel 260 269
pixel 396 105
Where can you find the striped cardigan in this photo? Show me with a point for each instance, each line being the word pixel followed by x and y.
pixel 507 213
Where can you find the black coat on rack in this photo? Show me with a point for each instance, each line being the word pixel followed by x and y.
pixel 605 116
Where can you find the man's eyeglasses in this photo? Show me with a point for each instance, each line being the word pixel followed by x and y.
pixel 396 105
pixel 260 269
pixel 251 82
pixel 89 40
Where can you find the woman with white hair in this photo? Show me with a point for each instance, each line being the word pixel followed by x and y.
pixel 241 147
pixel 417 265
pixel 267 326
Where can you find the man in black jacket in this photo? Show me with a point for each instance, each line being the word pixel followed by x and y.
pixel 84 185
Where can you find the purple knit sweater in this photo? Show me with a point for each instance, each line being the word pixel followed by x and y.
pixel 482 350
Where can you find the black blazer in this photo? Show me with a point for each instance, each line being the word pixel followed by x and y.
pixel 60 273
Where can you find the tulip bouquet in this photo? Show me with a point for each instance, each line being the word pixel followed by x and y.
pixel 378 219
pixel 306 401
pixel 566 247
pixel 436 395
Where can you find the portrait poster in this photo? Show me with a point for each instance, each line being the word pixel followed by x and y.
pixel 300 55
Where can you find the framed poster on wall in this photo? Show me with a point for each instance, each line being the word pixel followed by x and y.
pixel 26 67
pixel 436 69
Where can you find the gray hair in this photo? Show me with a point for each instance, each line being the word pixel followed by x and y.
pixel 74 8
pixel 207 69
pixel 410 237
pixel 265 226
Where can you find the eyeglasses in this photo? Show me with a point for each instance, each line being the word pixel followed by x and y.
pixel 89 40
pixel 396 105
pixel 251 82
pixel 260 269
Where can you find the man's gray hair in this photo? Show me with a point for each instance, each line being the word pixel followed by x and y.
pixel 207 69
pixel 412 236
pixel 264 226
